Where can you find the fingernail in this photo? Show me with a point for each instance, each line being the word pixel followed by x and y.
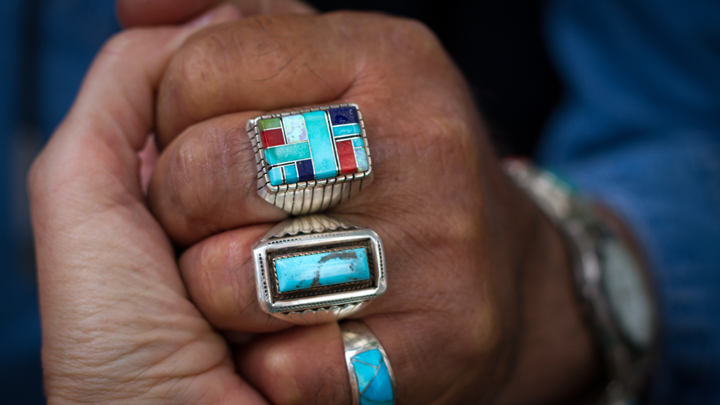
pixel 217 15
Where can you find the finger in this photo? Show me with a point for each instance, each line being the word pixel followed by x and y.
pixel 133 13
pixel 219 273
pixel 307 365
pixel 205 182
pixel 220 276
pixel 278 62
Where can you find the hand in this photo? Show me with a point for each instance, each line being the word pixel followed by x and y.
pixel 117 323
pixel 479 306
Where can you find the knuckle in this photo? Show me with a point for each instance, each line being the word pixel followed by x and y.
pixel 413 38
pixel 196 64
pixel 123 43
pixel 208 166
pixel 189 179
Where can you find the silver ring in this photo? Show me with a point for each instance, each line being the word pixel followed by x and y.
pixel 372 381
pixel 310 160
pixel 316 269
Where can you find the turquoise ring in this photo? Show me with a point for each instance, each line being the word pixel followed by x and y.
pixel 316 269
pixel 372 381
pixel 309 160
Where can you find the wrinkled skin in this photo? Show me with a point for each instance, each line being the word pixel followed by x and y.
pixel 479 306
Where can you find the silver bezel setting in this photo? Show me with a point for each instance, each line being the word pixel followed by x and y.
pixel 323 304
pixel 308 196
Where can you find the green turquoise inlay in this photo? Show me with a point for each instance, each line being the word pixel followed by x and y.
pixel 373 378
pixel 322 269
pixel 269 124
pixel 287 153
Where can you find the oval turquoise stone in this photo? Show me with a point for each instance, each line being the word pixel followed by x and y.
pixel 322 269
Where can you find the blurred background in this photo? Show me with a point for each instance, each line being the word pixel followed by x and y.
pixel 47 45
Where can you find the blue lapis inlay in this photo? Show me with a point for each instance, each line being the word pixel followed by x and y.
pixel 306 271
pixel 305 170
pixel 343 115
pixel 373 378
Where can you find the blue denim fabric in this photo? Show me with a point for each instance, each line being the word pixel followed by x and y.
pixel 45 48
pixel 640 131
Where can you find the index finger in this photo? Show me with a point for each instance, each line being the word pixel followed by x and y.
pixel 277 62
pixel 134 13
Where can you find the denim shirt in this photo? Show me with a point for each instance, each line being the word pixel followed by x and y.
pixel 640 131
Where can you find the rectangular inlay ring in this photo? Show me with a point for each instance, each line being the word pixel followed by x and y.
pixel 321 270
pixel 315 142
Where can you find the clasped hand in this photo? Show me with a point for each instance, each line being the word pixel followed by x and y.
pixel 146 284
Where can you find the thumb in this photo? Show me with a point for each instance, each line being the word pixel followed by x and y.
pixel 134 13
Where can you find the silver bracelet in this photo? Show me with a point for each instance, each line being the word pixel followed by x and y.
pixel 609 281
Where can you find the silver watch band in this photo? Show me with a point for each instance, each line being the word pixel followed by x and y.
pixel 599 255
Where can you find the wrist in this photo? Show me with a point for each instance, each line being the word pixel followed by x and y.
pixel 557 359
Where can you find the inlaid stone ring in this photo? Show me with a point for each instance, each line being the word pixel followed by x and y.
pixel 372 381
pixel 315 269
pixel 310 160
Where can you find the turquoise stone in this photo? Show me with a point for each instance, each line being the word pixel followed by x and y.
pixel 364 374
pixel 371 357
pixel 321 144
pixel 373 379
pixel 358 143
pixel 322 269
pixel 291 174
pixel 345 130
pixel 287 153
pixel 276 177
pixel 380 389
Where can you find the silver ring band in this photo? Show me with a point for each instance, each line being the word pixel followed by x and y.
pixel 316 269
pixel 310 160
pixel 372 381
